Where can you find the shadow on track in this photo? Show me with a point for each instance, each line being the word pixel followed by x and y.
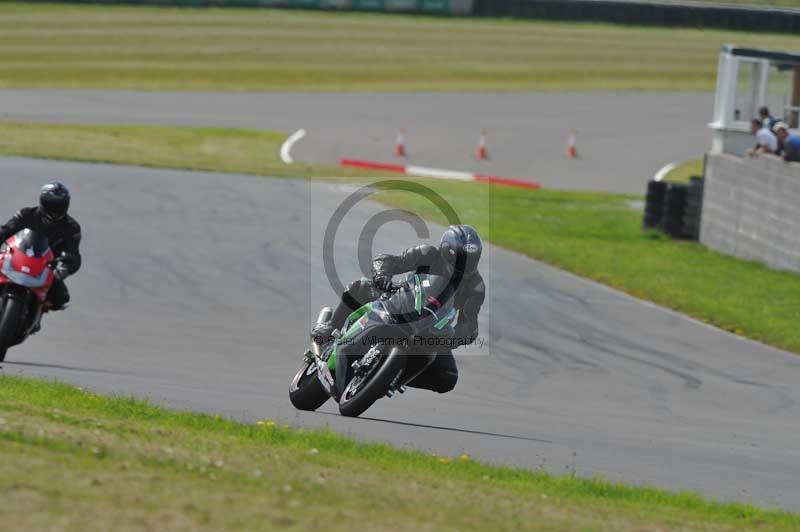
pixel 448 429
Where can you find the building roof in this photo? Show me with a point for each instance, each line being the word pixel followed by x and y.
pixel 782 59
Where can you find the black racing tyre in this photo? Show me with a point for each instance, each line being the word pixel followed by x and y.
pixel 673 226
pixel 654 204
pixel 690 230
pixel 656 188
pixel 375 388
pixel 691 214
pixel 674 205
pixel 675 201
pixel 9 325
pixel 693 200
pixel 651 221
pixel 306 392
pixel 690 226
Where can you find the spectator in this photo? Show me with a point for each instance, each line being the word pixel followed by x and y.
pixel 766 118
pixel 789 144
pixel 766 141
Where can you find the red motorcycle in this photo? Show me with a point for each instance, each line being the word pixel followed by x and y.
pixel 26 275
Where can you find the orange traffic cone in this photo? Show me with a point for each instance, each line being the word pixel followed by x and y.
pixel 480 152
pixel 572 151
pixel 400 145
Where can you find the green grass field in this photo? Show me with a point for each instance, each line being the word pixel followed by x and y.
pixel 198 148
pixel 74 460
pixel 596 235
pixel 252 49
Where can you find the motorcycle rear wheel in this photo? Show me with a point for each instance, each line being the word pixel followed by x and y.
pixel 306 392
pixel 9 325
pixel 375 388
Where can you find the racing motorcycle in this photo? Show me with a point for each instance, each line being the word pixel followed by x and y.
pixel 26 274
pixel 381 347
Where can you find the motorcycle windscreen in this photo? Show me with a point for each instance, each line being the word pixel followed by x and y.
pixel 422 302
pixel 31 243
pixel 26 264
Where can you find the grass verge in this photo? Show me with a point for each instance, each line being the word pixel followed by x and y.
pixel 596 235
pixel 217 149
pixel 107 47
pixel 74 460
pixel 685 170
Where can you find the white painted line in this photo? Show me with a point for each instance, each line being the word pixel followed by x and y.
pixel 286 147
pixel 423 171
pixel 661 174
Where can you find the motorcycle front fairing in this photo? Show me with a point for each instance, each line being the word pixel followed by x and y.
pixel 25 261
pixel 416 308
pixel 366 327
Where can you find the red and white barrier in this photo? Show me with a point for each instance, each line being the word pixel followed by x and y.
pixel 422 171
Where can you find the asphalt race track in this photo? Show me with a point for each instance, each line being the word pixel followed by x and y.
pixel 623 137
pixel 198 290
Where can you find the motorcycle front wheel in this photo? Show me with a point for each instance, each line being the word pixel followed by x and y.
pixel 9 325
pixel 306 392
pixel 359 395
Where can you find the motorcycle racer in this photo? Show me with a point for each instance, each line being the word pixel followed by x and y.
pixel 62 231
pixel 457 258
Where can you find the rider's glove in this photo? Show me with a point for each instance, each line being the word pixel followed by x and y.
pixel 382 282
pixel 61 271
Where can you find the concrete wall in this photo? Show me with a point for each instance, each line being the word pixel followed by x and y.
pixel 751 209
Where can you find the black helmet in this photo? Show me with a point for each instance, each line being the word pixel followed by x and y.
pixel 461 249
pixel 54 201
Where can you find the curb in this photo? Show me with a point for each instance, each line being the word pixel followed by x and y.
pixel 423 171
pixel 661 174
pixel 286 147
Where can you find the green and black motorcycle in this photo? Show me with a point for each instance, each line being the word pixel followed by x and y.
pixel 382 347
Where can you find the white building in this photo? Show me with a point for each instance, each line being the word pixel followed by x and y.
pixel 748 79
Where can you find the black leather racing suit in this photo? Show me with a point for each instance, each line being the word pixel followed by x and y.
pixel 442 375
pixel 64 236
